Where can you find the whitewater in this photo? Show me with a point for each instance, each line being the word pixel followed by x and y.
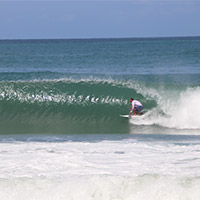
pixel 61 134
pixel 100 167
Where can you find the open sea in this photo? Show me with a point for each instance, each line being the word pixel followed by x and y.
pixel 61 134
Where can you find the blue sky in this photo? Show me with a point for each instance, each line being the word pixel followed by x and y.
pixel 98 19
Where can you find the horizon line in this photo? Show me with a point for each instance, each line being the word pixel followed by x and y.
pixel 104 38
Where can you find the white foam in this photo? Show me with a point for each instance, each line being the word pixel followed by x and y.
pixel 121 158
pixel 101 188
pixel 178 110
pixel 186 113
pixel 105 170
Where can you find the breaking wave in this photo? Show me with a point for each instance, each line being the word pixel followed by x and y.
pixel 94 105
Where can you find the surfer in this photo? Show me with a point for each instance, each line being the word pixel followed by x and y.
pixel 136 107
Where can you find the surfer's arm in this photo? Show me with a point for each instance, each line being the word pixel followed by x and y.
pixel 130 111
pixel 132 108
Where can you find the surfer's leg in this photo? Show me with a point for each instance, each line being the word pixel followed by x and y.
pixel 138 109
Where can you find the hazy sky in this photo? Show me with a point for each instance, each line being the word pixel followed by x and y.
pixel 98 18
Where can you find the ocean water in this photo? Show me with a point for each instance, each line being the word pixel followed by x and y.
pixel 61 135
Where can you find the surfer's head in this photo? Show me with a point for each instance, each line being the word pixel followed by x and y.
pixel 130 100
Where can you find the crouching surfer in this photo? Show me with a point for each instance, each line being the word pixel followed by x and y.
pixel 136 107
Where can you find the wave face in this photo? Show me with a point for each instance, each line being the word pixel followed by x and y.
pixel 93 105
pixel 64 106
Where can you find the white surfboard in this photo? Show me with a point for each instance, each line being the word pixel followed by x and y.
pixel 125 116
pixel 131 116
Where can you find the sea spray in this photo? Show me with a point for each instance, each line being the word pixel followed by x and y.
pixel 178 110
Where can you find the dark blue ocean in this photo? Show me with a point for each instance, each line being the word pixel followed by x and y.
pixel 61 134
